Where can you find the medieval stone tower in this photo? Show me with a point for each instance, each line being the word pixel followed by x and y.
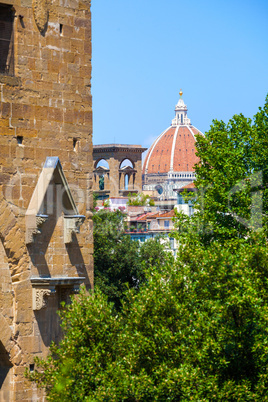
pixel 45 177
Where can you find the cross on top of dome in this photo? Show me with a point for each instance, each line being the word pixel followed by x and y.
pixel 181 118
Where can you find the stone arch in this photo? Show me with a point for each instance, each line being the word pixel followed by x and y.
pixel 6 320
pixel 124 162
pixel 12 257
pixel 97 162
pixel 101 174
pixel 6 295
pixel 6 345
pixel 6 334
pixel 127 174
pixel 5 375
pixel 116 154
pixel 12 238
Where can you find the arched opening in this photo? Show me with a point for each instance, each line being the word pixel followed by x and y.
pixel 126 162
pixel 101 173
pixel 102 163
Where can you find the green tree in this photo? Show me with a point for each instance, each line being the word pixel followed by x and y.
pixel 139 199
pixel 197 330
pixel 231 176
pixel 115 255
pixel 119 262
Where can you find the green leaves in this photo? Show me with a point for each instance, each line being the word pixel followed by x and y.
pixel 195 329
pixel 139 199
pixel 119 262
pixel 232 177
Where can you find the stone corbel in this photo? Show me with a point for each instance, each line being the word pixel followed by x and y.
pixel 72 225
pixel 40 297
pixel 43 288
pixel 67 292
pixel 33 226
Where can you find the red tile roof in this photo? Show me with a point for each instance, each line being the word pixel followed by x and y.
pixel 190 186
pixel 145 216
pixel 169 214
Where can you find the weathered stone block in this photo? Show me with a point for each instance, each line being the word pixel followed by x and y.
pixel 40 114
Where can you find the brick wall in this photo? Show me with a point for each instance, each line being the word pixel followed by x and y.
pixel 45 111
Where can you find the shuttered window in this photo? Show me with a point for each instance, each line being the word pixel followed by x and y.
pixel 6 40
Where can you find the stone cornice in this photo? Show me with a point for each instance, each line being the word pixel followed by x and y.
pixel 118 148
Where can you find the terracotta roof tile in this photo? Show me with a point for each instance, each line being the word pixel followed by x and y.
pixel 169 214
pixel 154 215
pixel 188 186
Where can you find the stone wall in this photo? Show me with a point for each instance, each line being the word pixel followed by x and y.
pixel 114 176
pixel 45 112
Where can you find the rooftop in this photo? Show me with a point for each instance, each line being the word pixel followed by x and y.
pixel 118 147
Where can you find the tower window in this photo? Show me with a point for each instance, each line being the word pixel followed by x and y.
pixel 6 40
pixel 19 140
pixel 75 144
pixel 181 118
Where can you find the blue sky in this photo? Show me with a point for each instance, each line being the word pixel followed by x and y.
pixel 144 51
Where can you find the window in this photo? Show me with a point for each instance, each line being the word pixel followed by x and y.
pixel 19 139
pixel 166 224
pixel 6 40
pixel 74 144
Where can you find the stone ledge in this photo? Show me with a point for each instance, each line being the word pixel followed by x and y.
pixel 10 80
pixel 43 288
pixel 57 281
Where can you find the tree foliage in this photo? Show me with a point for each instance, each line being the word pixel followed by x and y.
pixel 119 262
pixel 232 177
pixel 139 199
pixel 198 328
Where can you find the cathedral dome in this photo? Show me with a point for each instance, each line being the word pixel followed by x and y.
pixel 174 149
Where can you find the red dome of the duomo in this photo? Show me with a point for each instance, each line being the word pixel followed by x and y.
pixel 174 150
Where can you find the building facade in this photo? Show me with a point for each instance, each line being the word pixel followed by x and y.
pixel 46 241
pixel 116 179
pixel 144 225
